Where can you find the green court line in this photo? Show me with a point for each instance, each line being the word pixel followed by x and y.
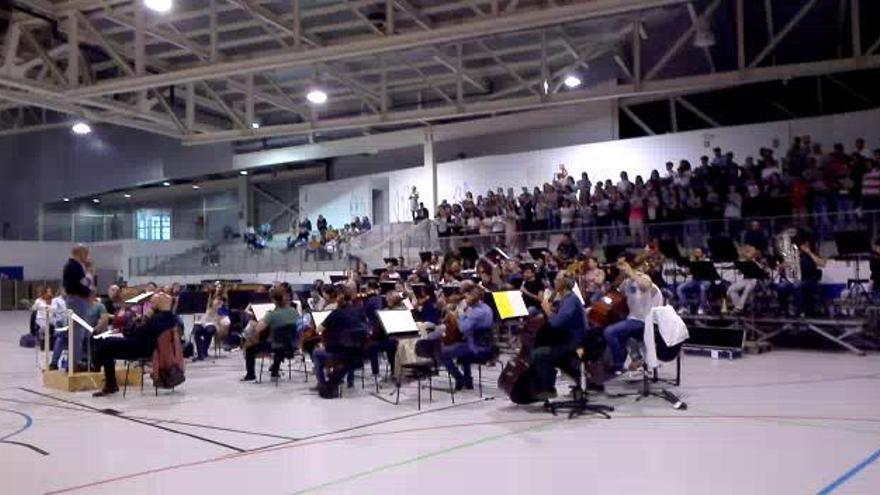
pixel 424 457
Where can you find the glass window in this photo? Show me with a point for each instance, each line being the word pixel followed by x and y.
pixel 154 225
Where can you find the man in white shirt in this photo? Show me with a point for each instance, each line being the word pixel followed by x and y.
pixel 414 203
pixel 641 296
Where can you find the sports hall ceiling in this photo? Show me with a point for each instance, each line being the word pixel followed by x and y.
pixel 237 70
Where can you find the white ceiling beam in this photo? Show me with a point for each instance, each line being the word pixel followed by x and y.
pixel 658 88
pixel 707 52
pixel 680 42
pixel 446 34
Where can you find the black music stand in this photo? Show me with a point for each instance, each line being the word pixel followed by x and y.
pixel 722 249
pixel 469 253
pixel 191 303
pixel 704 271
pixel 538 253
pixel 260 298
pixel 670 249
pixel 239 299
pixel 386 287
pixel 426 256
pixel 854 245
pixel 613 252
pixel 335 279
pixel 750 270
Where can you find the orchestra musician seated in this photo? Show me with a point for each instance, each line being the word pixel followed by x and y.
pixel 213 324
pixel 261 340
pixel 641 296
pixel 343 336
pixel 532 289
pixel 475 324
pixel 565 332
pixel 688 288
pixel 139 343
pixel 379 340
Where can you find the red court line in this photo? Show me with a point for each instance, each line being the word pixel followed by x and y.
pixel 296 444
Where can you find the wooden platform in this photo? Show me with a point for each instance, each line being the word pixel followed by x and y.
pixel 78 382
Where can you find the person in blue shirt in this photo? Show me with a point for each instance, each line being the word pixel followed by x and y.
pixel 475 324
pixel 567 324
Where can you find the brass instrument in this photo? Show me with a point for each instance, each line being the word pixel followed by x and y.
pixel 789 253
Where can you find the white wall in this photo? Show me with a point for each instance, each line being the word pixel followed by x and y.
pixel 339 201
pixel 605 160
pixel 45 260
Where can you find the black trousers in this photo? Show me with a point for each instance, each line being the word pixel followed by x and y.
pixel 108 350
pixel 250 358
pixel 546 359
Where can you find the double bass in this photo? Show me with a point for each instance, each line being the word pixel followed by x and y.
pixel 518 377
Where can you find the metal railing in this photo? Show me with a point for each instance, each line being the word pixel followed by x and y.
pixel 238 259
pixel 688 234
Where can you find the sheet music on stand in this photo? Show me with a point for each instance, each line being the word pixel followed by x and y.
pixel 408 304
pixel 140 298
pixel 260 310
pixel 510 304
pixel 397 321
pixel 318 318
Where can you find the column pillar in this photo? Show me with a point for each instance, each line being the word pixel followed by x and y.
pixel 430 163
pixel 245 203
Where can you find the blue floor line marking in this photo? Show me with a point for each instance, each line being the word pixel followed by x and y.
pixel 849 474
pixel 28 421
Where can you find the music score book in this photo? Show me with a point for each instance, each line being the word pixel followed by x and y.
pixel 260 310
pixel 577 292
pixel 318 318
pixel 510 304
pixel 397 321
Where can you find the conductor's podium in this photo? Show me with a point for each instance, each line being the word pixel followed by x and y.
pixel 79 382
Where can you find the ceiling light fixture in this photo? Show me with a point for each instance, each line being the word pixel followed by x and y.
pixel 159 5
pixel 166 184
pixel 96 200
pixel 255 125
pixel 316 96
pixel 572 81
pixel 81 128
pixel 546 86
pixel 66 200
pixel 126 195
pixel 243 172
pixel 196 186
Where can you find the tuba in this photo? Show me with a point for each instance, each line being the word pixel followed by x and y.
pixel 787 250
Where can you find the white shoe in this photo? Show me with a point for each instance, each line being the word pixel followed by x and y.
pixel 701 311
pixel 633 376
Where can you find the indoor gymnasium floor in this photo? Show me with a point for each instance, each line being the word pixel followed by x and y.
pixel 785 422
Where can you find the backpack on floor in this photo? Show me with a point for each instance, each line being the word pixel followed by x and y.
pixel 27 340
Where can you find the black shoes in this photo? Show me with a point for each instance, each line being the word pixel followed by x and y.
pixel 248 378
pixel 106 391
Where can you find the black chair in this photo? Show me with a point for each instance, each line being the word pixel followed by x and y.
pixel 665 354
pixel 282 342
pixel 427 349
pixel 487 359
pixel 141 363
